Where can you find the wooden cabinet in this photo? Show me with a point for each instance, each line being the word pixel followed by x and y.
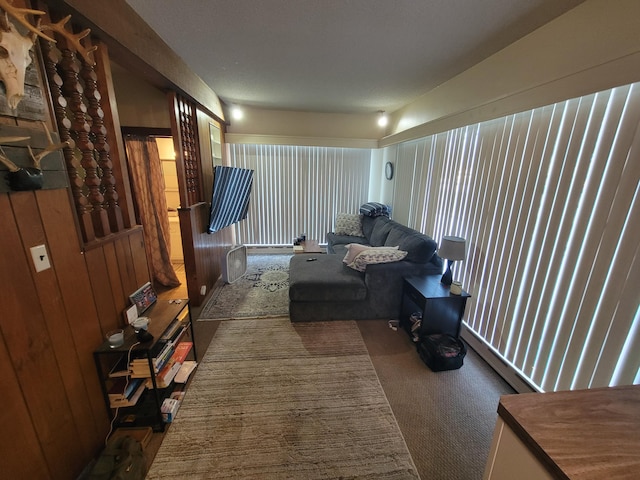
pixel 136 377
pixel 510 458
pixel 582 434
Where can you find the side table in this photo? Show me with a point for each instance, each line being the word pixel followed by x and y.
pixel 308 246
pixel 441 311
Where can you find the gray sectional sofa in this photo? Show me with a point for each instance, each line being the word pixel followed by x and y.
pixel 327 289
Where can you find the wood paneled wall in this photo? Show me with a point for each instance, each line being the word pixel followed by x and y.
pixel 53 416
pixel 203 262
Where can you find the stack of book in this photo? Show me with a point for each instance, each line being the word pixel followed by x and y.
pixel 172 367
pixel 125 392
pixel 164 370
pixel 164 349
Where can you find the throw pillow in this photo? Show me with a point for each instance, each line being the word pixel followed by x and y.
pixel 349 224
pixel 376 255
pixel 354 249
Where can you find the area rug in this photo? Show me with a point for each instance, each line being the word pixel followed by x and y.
pixel 262 292
pixel 276 400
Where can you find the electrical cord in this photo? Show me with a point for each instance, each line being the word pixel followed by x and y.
pixel 115 415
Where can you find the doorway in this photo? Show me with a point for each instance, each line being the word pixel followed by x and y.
pixel 172 195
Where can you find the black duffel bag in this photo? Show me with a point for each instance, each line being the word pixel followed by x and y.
pixel 442 352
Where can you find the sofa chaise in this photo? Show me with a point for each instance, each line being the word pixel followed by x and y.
pixel 328 289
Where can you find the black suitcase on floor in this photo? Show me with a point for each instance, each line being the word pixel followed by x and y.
pixel 442 352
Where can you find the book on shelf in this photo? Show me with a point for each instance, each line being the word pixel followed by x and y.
pixel 171 329
pixel 185 370
pixel 122 401
pixel 171 368
pixel 140 366
pixel 175 325
pixel 121 388
pixel 181 352
pixel 163 357
pixel 164 378
pixel 176 353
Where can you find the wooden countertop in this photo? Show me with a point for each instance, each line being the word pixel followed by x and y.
pixel 581 434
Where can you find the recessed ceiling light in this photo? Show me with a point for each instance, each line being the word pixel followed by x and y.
pixel 236 113
pixel 383 120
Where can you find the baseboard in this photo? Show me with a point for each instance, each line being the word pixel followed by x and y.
pixel 508 373
pixel 269 249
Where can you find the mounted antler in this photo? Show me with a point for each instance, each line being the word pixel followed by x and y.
pixel 28 178
pixel 20 14
pixel 52 147
pixel 3 157
pixel 73 39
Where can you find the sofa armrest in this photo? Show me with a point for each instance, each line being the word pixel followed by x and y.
pixel 384 283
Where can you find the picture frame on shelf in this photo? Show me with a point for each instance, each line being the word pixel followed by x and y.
pixel 143 298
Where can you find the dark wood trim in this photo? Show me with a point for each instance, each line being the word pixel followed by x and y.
pixel 135 46
pixel 147 131
pixel 100 242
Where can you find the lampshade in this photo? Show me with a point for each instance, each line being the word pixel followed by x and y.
pixel 452 248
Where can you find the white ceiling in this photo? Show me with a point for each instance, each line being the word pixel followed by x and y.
pixel 343 56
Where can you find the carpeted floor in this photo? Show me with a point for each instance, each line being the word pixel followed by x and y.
pixel 446 418
pixel 262 292
pixel 275 400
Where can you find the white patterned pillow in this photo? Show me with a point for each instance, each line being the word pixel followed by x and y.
pixel 349 224
pixel 354 249
pixel 376 255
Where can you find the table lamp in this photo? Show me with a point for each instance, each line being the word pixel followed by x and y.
pixel 451 249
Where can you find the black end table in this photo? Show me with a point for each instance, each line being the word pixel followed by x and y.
pixel 441 310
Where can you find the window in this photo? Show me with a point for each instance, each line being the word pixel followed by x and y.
pixel 548 202
pixel 299 190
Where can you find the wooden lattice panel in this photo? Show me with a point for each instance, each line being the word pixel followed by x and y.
pixel 73 85
pixel 188 125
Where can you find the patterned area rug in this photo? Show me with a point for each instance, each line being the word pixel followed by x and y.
pixel 275 400
pixel 262 292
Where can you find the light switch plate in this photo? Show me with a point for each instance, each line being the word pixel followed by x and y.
pixel 40 258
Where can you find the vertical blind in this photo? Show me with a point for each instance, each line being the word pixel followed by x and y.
pixel 548 203
pixel 299 190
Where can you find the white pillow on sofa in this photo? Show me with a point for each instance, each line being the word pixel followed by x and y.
pixel 349 224
pixel 373 255
pixel 354 249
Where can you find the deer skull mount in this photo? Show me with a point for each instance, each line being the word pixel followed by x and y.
pixel 15 48
pixel 15 57
pixel 28 178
